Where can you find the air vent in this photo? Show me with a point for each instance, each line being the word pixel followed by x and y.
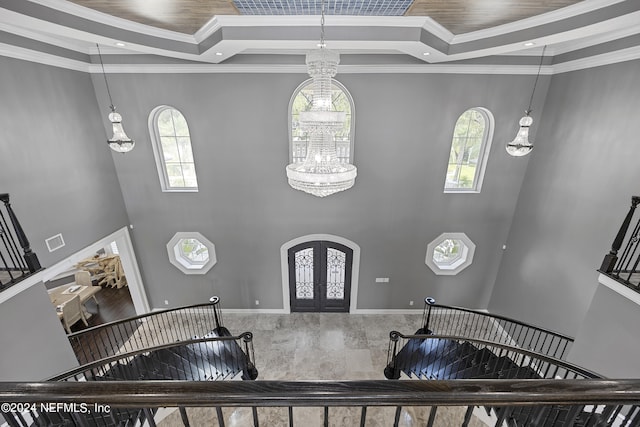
pixel 54 242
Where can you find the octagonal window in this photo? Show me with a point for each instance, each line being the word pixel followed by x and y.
pixel 191 252
pixel 450 253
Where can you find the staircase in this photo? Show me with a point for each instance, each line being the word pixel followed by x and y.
pixel 121 351
pixel 469 360
pixel 17 260
pixel 430 356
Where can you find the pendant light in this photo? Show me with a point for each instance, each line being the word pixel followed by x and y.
pixel 120 142
pixel 521 146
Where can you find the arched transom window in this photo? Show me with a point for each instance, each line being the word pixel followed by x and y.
pixel 172 149
pixel 302 101
pixel 470 146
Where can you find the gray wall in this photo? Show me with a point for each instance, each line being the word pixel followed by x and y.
pixel 55 161
pixel 607 341
pixel 576 191
pixel 238 125
pixel 34 344
pixel 61 177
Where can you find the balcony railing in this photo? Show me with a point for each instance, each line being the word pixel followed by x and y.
pixel 587 402
pixel 449 320
pixel 623 260
pixel 17 260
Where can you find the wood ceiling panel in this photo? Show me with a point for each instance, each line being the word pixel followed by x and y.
pixel 463 16
pixel 458 16
pixel 184 16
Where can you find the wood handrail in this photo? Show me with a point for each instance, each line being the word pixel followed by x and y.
pixel 136 394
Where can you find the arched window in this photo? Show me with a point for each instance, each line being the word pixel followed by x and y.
pixel 172 149
pixel 301 101
pixel 470 147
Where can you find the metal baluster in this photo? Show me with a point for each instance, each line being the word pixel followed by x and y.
pixel 183 415
pixel 29 256
pixel 467 416
pixel 220 416
pixel 396 419
pixel 326 416
pixel 254 411
pixel 610 259
pixel 290 416
pixel 432 416
pixel 363 416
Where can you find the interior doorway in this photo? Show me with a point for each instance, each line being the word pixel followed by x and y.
pixel 320 274
pixel 122 294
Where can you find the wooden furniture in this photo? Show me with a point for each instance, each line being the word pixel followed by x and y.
pixel 72 312
pixel 61 295
pixel 107 270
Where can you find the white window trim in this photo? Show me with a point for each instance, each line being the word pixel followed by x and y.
pixel 486 149
pixel 180 264
pixel 456 267
pixel 352 130
pixel 159 156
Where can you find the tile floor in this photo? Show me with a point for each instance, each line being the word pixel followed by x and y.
pixel 320 346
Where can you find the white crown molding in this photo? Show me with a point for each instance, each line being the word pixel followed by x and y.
pixel 628 54
pixel 622 55
pixel 438 30
pixel 207 29
pixel 596 39
pixel 42 58
pixel 103 18
pixel 313 21
pixel 534 21
pixel 43 37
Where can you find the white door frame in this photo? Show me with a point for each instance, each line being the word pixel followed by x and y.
pixel 129 265
pixel 284 264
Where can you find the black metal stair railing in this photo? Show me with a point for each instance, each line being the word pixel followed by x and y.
pixel 148 330
pixel 212 358
pixel 623 267
pixel 450 320
pixel 17 260
pixel 550 403
pixel 436 357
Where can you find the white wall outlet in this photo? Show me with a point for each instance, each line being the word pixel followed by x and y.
pixel 382 280
pixel 166 302
pixel 410 302
pixel 257 302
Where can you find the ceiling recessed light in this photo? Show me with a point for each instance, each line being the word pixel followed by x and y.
pixel 529 44
pixel 219 54
pixel 426 53
pixel 120 44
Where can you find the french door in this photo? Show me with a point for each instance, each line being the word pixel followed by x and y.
pixel 320 276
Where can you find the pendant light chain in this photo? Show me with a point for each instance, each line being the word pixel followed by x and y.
pixel 536 82
pixel 322 25
pixel 105 78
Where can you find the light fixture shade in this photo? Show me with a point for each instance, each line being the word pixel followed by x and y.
pixel 321 173
pixel 120 142
pixel 521 146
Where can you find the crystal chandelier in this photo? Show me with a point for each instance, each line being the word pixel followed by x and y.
pixel 321 173
pixel 120 142
pixel 521 146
